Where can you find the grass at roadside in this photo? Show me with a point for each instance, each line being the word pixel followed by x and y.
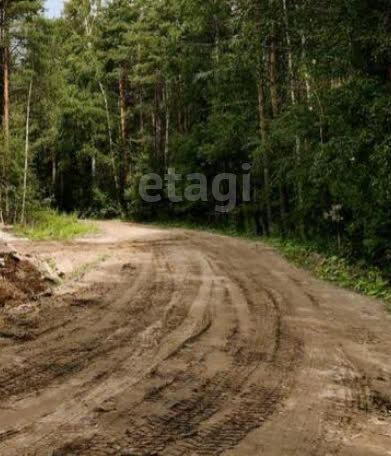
pixel 50 225
pixel 363 278
pixel 85 268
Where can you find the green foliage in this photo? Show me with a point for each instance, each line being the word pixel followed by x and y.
pixel 49 225
pixel 81 271
pixel 298 89
pixel 359 277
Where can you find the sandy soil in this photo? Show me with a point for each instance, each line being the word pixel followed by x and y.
pixel 169 342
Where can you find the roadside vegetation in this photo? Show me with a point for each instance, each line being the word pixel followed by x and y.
pixel 50 225
pixel 294 94
pixel 357 276
pixel 78 273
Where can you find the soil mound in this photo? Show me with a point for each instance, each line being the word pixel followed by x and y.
pixel 20 280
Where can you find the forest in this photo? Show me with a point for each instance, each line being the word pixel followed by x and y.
pixel 112 90
pixel 195 228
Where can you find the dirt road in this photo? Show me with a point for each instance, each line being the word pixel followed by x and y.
pixel 169 342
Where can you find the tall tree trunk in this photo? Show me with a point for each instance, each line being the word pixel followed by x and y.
pixel 93 171
pixel 167 135
pixel 291 74
pixel 93 167
pixel 321 119
pixel 157 120
pixel 54 174
pixel 273 75
pixel 275 98
pixel 6 97
pixel 307 79
pixel 292 85
pixel 26 153
pixel 6 111
pixel 123 159
pixel 3 158
pixel 111 143
pixel 141 118
pixel 122 104
pixel 263 133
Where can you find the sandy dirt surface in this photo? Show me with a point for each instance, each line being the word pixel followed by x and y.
pixel 171 342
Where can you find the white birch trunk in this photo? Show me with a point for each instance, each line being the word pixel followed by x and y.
pixel 26 154
pixel 112 156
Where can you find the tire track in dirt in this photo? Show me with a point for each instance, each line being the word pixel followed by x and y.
pixel 65 358
pixel 323 424
pixel 87 349
pixel 251 404
pixel 230 399
pixel 216 347
pixel 276 443
pixel 171 316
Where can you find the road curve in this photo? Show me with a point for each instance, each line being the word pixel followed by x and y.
pixel 186 343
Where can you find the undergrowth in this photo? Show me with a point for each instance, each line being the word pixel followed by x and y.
pixel 50 225
pixel 364 279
